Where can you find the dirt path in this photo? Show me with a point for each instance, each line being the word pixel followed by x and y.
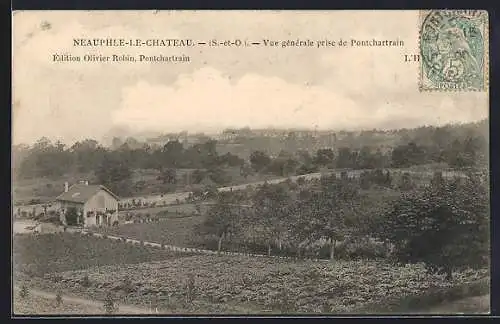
pixel 470 305
pixel 122 309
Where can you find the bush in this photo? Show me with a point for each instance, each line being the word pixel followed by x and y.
pixel 85 281
pixel 24 292
pixel 190 289
pixel 71 216
pixel 127 285
pixel 109 304
pixel 59 299
pixel 362 249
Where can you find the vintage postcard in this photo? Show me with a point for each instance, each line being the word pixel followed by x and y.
pixel 250 162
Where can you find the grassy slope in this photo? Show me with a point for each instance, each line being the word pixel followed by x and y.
pixel 42 254
pixel 174 230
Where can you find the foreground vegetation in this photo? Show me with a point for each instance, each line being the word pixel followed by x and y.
pixel 258 285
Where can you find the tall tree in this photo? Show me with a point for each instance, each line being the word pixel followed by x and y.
pixel 324 157
pixel 115 174
pixel 222 219
pixel 271 213
pixel 446 226
pixel 259 160
pixel 168 175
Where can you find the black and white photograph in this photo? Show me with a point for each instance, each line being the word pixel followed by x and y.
pixel 272 163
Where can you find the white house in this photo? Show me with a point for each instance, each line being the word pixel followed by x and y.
pixel 95 205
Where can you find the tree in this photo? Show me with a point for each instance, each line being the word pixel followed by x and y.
pixel 282 166
pixel 304 157
pixel 222 220
pixel 344 158
pixel 307 168
pixel 173 153
pixel 271 213
pixel 115 174
pixel 324 157
pixel 332 212
pixel 366 160
pixel 168 176
pixel 408 155
pixel 198 176
pixel 259 160
pixel 230 160
pixel 218 176
pixel 446 226
pixel 245 170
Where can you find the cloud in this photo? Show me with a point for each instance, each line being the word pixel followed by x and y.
pixel 207 100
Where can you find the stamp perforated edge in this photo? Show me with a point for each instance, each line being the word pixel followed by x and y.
pixel 486 39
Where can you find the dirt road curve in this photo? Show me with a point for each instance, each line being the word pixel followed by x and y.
pixel 122 309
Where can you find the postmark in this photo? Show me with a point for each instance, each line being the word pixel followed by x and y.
pixel 454 50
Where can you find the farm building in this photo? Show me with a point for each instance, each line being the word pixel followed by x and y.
pixel 88 205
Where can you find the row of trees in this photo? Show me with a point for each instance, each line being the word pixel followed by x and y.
pixel 45 158
pixel 54 159
pixel 472 152
pixel 444 224
pixel 292 140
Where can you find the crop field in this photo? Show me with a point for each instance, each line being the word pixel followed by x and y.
pixel 37 255
pixel 173 231
pixel 259 285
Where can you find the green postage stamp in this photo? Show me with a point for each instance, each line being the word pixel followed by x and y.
pixel 454 50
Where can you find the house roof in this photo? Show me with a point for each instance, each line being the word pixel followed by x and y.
pixel 81 193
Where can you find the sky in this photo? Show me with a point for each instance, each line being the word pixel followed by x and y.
pixel 323 88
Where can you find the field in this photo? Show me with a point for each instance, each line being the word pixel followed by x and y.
pixel 236 284
pixel 173 230
pixel 38 255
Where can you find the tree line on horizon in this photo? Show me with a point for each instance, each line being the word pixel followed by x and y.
pixel 113 167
